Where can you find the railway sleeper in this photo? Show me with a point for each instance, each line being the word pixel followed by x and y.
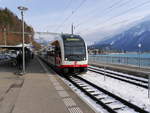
pixel 109 101
pixel 101 98
pixel 88 88
pixel 84 86
pixel 102 95
pixel 119 108
pixel 90 91
pixel 95 94
pixel 78 82
pixel 81 84
pixel 116 106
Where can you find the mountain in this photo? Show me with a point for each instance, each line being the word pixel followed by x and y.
pixel 130 39
pixel 10 23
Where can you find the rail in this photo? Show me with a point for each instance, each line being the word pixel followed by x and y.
pixel 102 95
pixel 131 80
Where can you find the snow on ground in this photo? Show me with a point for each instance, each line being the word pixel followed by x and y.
pixel 90 102
pixel 123 74
pixel 132 93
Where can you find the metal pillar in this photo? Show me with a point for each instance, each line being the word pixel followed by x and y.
pixel 5 36
pixel 139 45
pixel 21 8
pixel 72 29
pixel 23 51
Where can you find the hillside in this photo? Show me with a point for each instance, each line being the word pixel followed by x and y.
pixel 10 23
pixel 129 39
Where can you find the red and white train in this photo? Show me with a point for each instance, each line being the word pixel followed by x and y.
pixel 67 53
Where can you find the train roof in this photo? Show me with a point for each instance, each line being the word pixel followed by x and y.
pixel 64 37
pixel 70 36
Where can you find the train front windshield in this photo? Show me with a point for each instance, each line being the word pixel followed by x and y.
pixel 74 49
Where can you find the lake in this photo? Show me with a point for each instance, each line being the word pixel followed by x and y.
pixel 141 60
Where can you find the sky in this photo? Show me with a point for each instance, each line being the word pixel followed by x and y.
pixel 92 19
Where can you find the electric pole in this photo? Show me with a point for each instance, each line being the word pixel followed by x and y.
pixel 72 29
pixel 5 36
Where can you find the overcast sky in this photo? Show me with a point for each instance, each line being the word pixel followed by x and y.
pixel 93 19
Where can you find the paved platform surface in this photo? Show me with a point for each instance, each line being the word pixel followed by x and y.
pixel 143 72
pixel 44 92
pixel 10 85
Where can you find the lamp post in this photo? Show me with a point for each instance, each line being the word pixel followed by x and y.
pixel 139 45
pixel 5 36
pixel 22 9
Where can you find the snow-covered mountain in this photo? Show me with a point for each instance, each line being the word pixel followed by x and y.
pixel 130 39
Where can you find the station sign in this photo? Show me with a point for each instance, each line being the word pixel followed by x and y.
pixel 72 39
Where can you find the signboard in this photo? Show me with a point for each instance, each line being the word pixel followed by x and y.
pixel 72 39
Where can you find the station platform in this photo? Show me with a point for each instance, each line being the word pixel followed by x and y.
pixel 44 92
pixel 129 69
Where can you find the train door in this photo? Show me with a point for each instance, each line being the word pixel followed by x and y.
pixel 51 55
pixel 57 55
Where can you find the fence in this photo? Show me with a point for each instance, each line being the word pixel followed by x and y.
pixel 137 61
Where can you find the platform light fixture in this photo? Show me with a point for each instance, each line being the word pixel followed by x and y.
pixel 22 9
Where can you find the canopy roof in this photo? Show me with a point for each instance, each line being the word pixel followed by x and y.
pixel 17 47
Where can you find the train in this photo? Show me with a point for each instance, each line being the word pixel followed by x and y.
pixel 67 54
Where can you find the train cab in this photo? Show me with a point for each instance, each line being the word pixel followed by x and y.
pixel 68 54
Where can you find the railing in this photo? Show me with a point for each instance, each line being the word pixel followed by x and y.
pixel 137 61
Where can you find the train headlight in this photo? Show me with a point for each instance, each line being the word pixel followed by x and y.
pixel 66 59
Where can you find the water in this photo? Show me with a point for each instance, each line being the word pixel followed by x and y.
pixel 141 60
pixel 131 55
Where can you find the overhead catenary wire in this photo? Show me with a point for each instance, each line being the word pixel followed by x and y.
pixel 138 6
pixel 108 10
pixel 123 13
pixel 65 8
pixel 68 5
pixel 69 16
pixel 112 24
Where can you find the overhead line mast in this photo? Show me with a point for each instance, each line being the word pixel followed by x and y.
pixel 72 29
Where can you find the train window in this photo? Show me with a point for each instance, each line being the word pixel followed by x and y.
pixel 50 51
pixel 57 50
pixel 74 46
pixel 75 50
pixel 77 43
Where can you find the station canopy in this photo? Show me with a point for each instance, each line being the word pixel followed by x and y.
pixel 17 47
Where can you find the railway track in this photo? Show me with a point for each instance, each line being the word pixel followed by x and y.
pixel 129 79
pixel 109 101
